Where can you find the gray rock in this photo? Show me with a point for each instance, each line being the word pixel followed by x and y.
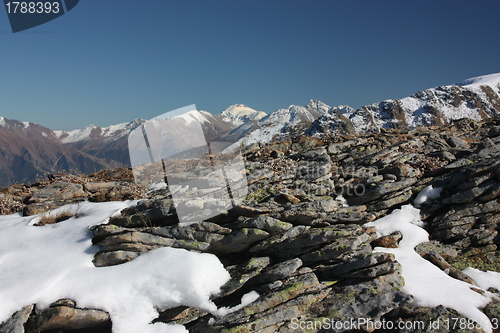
pixel 57 191
pixel 381 189
pixel 267 223
pixel 240 274
pixel 278 271
pixel 469 194
pixel 341 249
pixel 300 239
pixel 292 288
pixel 366 266
pixel 239 241
pixel 367 299
pixel 306 212
pixel 457 143
pixel 15 324
pixel 102 259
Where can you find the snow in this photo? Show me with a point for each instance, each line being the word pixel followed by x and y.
pixel 2 121
pixel 76 135
pixel 245 300
pixel 39 265
pixel 491 79
pixel 342 200
pixel 84 134
pixel 428 193
pixel 239 114
pixel 278 122
pixel 114 130
pixel 429 285
pixel 484 279
pixel 194 115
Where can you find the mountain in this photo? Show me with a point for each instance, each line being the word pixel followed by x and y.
pixel 477 98
pixel 109 143
pixel 28 151
pixel 280 123
pixel 240 114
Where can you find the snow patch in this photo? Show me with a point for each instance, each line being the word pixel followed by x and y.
pixel 429 285
pixel 485 280
pixel 77 135
pixel 491 79
pixel 427 194
pixel 2 122
pixel 245 300
pixel 342 200
pixel 39 265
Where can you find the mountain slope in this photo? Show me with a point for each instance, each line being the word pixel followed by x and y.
pixel 476 98
pixel 28 151
pixel 280 123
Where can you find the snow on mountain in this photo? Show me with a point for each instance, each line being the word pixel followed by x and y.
pixel 336 120
pixel 93 131
pixel 2 121
pixel 491 80
pixel 238 114
pixel 477 98
pixel 280 123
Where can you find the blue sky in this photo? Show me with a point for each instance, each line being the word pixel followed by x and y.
pixel 111 61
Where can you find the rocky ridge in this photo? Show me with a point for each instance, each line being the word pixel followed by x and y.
pixel 300 239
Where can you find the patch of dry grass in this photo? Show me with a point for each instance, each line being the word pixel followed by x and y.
pixel 51 219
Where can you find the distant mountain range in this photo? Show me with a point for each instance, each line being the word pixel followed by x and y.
pixel 29 151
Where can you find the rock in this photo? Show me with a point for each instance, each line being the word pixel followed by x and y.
pixel 277 154
pixel 240 274
pixel 340 250
pixel 42 207
pixel 238 241
pixel 98 186
pixel 369 265
pixel 457 143
pixel 267 223
pixel 244 210
pixel 390 241
pixel 15 324
pixel 469 194
pixel 447 252
pixel 113 258
pixel 57 191
pixel 435 320
pixel 367 299
pixel 279 271
pixel 305 213
pixel 286 198
pixel 292 288
pixel 63 317
pixel 379 190
pixel 301 239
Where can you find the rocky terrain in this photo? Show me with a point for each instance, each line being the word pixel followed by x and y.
pixel 30 151
pixel 300 238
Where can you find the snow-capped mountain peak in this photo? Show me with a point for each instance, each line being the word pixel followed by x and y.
pixel 238 114
pixel 318 106
pixel 491 80
pixel 476 98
